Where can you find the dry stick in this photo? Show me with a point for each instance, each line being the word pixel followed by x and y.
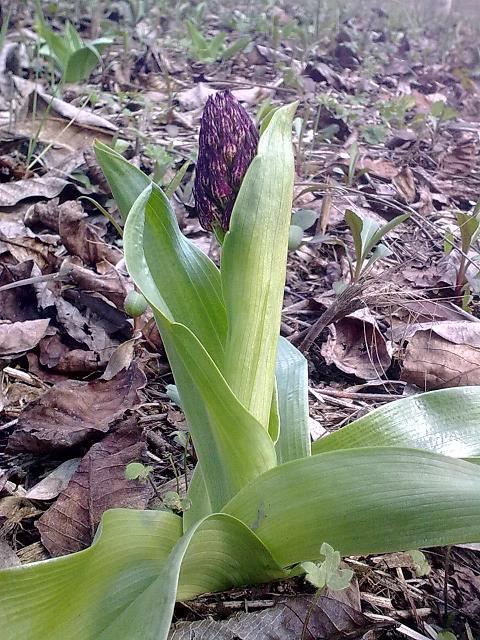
pixel 353 395
pixel 347 302
pixel 33 280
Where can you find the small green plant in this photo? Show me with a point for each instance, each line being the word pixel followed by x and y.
pixel 302 220
pixel 394 113
pixel 207 50
pixel 367 234
pixel 74 58
pixel 262 497
pixel 440 113
pixel 469 227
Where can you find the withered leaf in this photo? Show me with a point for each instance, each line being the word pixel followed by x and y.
pixel 357 346
pixel 330 618
pixel 75 413
pixel 98 484
pixel 17 337
pixel 17 304
pixel 443 354
pixel 47 186
pixel 81 239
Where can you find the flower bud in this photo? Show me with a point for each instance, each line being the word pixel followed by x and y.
pixel 227 145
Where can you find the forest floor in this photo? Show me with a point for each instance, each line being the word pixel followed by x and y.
pixel 388 123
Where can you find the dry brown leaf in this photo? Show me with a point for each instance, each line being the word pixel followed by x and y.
pixel 405 184
pixel 75 413
pixel 98 484
pixel 330 618
pixel 18 337
pixel 443 355
pixel 357 346
pixel 17 304
pixel 54 482
pixel 47 186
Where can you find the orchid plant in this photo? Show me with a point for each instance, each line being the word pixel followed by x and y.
pixel 263 499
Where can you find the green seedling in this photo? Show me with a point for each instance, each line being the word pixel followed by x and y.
pixel 301 221
pixel 262 495
pixel 207 50
pixel 74 58
pixel 367 235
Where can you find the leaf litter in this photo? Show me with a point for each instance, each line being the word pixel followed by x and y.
pixel 381 130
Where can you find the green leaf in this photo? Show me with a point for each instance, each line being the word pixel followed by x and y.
pixel 187 280
pixel 383 230
pixel 304 218
pixel 186 284
pixel 328 573
pixel 229 457
pixel 137 470
pixel 71 37
pixel 362 501
pixel 125 584
pixel 468 225
pixel 125 180
pixel 81 64
pixel 254 265
pixel 292 392
pixel 445 421
pixel 236 47
pixel 80 596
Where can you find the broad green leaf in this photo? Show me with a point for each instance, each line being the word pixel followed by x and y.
pixel 81 64
pixel 236 47
pixel 232 446
pixel 81 595
pixel 217 553
pixel 125 584
pixel 71 38
pixel 187 283
pixel 445 421
pixel 187 279
pixel 125 180
pixel 200 505
pixel 292 391
pixel 362 501
pixel 254 265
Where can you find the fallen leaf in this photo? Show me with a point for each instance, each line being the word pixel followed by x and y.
pixel 46 186
pixel 442 355
pixel 405 184
pixel 18 337
pixel 8 557
pixel 329 619
pixel 55 482
pixel 98 484
pixel 74 413
pixel 356 345
pixel 82 239
pixel 17 304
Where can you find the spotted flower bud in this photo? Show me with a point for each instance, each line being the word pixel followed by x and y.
pixel 227 145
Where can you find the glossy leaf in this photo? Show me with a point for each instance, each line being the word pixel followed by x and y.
pixel 232 447
pixel 254 264
pixel 362 501
pixel 292 390
pixel 81 595
pixel 445 421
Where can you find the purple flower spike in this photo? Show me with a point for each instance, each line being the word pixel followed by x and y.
pixel 227 145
